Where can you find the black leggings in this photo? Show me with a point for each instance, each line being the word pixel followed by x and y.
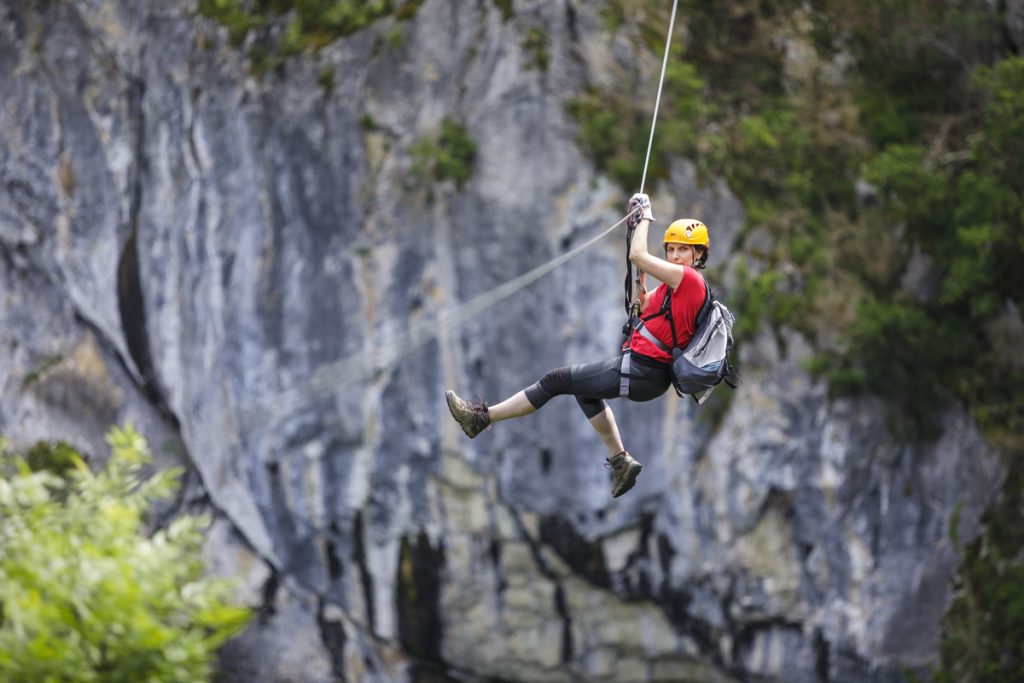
pixel 593 382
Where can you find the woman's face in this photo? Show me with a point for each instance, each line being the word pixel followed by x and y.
pixel 681 254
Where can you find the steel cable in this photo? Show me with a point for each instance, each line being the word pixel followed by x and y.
pixel 356 367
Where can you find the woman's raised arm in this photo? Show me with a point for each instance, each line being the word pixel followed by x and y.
pixel 669 273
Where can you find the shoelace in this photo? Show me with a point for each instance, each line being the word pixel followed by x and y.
pixel 608 461
pixel 479 405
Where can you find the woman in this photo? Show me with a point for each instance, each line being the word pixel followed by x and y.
pixel 648 367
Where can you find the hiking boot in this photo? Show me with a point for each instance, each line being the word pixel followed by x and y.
pixel 624 470
pixel 472 417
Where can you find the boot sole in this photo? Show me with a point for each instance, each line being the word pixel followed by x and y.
pixel 631 474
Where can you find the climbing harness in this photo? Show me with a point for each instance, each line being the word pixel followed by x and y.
pixel 703 363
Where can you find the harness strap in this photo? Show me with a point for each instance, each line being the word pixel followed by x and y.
pixel 624 371
pixel 635 322
pixel 666 310
pixel 638 325
pixel 732 378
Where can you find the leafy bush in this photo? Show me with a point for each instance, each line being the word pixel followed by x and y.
pixel 615 126
pixel 85 595
pixel 448 156
pixel 505 8
pixel 535 45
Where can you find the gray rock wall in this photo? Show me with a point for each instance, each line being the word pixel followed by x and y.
pixel 230 262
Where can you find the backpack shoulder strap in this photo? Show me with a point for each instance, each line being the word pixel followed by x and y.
pixel 705 308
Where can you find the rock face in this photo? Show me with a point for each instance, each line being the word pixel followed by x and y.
pixel 251 271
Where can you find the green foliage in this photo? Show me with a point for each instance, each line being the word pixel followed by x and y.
pixel 85 594
pixel 535 45
pixel 395 37
pixel 943 148
pixel 613 15
pixel 326 79
pixel 910 188
pixel 56 457
pixel 407 10
pixel 448 156
pixel 905 353
pixel 506 9
pixel 307 24
pixel 910 62
pixel 984 629
pixel 615 127
pixel 45 366
pixel 762 298
pixel 734 46
pixel 612 134
pixel 968 217
pixel 368 123
pixel 230 13
pixel 983 639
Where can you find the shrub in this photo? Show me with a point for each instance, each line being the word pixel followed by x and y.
pixel 450 155
pixel 535 45
pixel 505 8
pixel 85 594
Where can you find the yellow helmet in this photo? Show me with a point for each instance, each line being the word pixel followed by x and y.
pixel 688 231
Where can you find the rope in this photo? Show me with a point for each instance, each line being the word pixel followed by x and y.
pixel 329 378
pixel 657 101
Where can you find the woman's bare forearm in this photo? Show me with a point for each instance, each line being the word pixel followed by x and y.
pixel 648 263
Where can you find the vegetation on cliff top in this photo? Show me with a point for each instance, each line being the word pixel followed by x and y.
pixel 307 24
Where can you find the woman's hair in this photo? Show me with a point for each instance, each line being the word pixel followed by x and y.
pixel 703 253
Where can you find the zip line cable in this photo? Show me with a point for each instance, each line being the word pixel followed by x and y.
pixel 657 100
pixel 330 378
pixel 334 376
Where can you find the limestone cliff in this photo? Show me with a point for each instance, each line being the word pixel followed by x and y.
pixel 216 256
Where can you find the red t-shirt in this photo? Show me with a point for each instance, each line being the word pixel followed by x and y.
pixel 687 299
